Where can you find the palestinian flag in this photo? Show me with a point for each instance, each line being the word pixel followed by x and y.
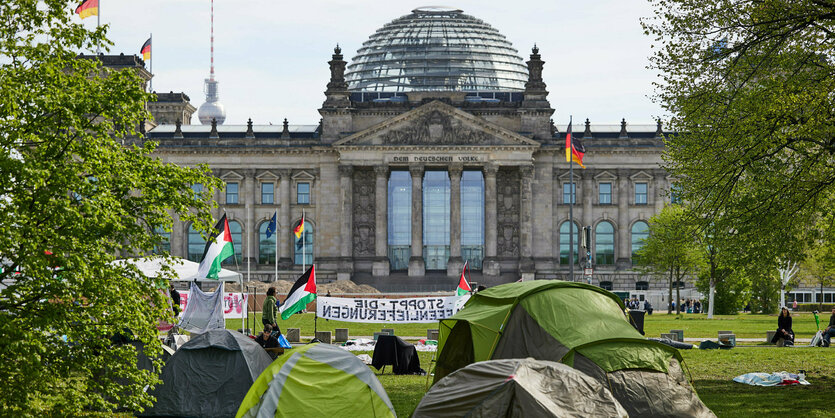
pixel 302 293
pixel 87 8
pixel 463 287
pixel 574 149
pixel 146 50
pixel 300 228
pixel 218 248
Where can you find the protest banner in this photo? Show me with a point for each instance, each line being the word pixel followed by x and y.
pixel 233 304
pixel 420 310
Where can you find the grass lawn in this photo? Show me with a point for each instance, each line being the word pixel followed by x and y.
pixel 711 371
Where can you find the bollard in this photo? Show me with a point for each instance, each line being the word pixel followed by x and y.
pixel 340 335
pixel 293 335
pixel 432 334
pixel 324 336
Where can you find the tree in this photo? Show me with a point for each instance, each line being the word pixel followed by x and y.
pixel 72 197
pixel 819 265
pixel 671 249
pixel 748 84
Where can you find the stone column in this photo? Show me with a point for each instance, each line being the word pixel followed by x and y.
pixel 490 265
pixel 283 236
pixel 455 263
pixel 417 266
pixel 179 246
pixel 659 186
pixel 381 266
pixel 560 213
pixel 587 190
pixel 526 264
pixel 621 234
pixel 346 202
pixel 250 237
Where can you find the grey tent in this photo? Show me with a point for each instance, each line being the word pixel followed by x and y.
pixel 209 375
pixel 518 388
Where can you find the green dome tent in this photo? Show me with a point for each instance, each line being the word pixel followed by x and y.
pixel 576 324
pixel 316 380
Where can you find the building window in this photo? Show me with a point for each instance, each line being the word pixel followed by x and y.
pixel 640 193
pixel 642 285
pixel 266 246
pixel 232 193
pixel 606 285
pixel 195 244
pixel 267 193
pixel 197 188
pixel 472 218
pixel 678 284
pixel 165 244
pixel 399 219
pixel 436 219
pixel 605 196
pixel 640 232
pixel 569 193
pixel 604 244
pixel 303 193
pixel 303 246
pixel 564 243
pixel 675 194
pixel 235 231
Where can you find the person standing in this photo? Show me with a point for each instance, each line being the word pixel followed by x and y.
pixel 270 310
pixel 784 327
pixel 830 329
pixel 175 300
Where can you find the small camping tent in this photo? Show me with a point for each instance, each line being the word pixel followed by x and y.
pixel 580 325
pixel 518 388
pixel 317 380
pixel 209 375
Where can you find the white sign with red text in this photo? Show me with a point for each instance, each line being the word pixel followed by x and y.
pixel 234 304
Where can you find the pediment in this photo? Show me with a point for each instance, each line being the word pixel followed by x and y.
pixel 436 124
pixel 605 176
pixel 231 175
pixel 303 176
pixel 640 176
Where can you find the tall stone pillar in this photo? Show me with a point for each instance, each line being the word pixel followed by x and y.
pixel 283 236
pixel 587 190
pixel 417 266
pixel 346 203
pixel 250 238
pixel 455 263
pixel 660 187
pixel 381 266
pixel 490 264
pixel 622 231
pixel 526 263
pixel 179 246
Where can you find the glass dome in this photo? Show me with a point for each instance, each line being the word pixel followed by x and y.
pixel 437 49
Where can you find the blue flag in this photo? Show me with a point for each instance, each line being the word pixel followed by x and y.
pixel 271 226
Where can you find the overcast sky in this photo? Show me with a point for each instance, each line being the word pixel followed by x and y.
pixel 271 56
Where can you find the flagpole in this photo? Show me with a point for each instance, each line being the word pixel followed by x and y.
pixel 304 250
pixel 152 71
pixel 240 278
pixel 275 233
pixel 571 196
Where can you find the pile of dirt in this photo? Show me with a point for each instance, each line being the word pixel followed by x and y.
pixel 283 286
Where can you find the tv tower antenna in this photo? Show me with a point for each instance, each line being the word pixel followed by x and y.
pixel 212 109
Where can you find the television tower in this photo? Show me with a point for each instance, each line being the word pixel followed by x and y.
pixel 212 109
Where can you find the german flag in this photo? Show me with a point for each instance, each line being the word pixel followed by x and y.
pixel 299 229
pixel 574 149
pixel 87 8
pixel 146 50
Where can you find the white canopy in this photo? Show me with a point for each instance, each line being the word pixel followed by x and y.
pixel 185 270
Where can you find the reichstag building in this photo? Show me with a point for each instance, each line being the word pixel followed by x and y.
pixel 436 147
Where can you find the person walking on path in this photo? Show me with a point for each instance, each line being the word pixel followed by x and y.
pixel 830 329
pixel 784 327
pixel 270 310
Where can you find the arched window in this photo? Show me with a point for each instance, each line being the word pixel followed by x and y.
pixel 266 246
pixel 606 285
pixel 640 232
pixel 195 244
pixel 604 244
pixel 565 245
pixel 642 285
pixel 235 231
pixel 303 246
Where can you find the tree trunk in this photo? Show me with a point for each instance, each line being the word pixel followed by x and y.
pixel 782 296
pixel 820 301
pixel 710 298
pixel 678 290
pixel 670 288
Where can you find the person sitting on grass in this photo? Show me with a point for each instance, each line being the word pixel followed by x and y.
pixel 266 338
pixel 784 327
pixel 830 330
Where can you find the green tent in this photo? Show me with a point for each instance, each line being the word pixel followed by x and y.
pixel 316 380
pixel 576 324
